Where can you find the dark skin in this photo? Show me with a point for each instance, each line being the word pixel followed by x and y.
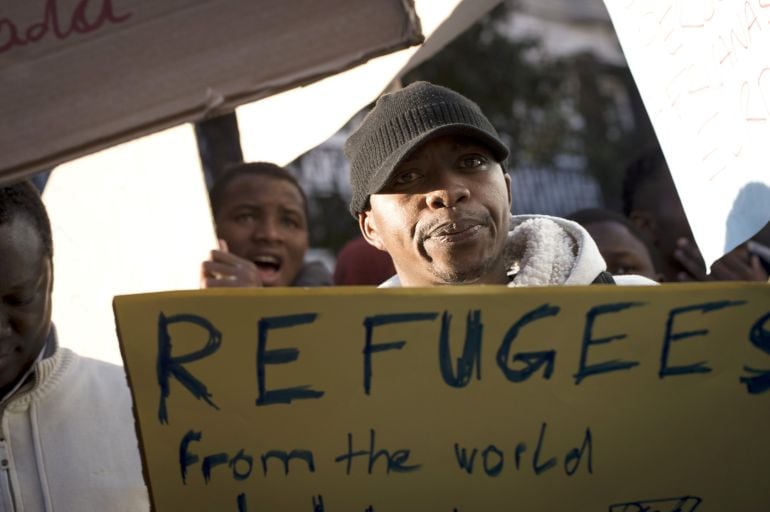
pixel 443 215
pixel 26 282
pixel 263 235
pixel 736 265
pixel 623 252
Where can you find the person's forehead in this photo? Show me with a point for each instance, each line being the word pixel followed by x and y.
pixel 615 236
pixel 21 251
pixel 259 190
pixel 20 234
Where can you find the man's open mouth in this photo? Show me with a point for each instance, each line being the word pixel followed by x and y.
pixel 267 263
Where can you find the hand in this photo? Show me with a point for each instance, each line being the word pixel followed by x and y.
pixel 738 265
pixel 688 255
pixel 226 270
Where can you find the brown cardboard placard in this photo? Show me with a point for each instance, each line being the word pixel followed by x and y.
pixel 81 75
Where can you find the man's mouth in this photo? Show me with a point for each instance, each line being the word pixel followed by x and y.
pixel 455 231
pixel 268 266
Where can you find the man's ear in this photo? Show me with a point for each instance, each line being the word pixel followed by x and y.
pixel 508 184
pixel 646 224
pixel 369 229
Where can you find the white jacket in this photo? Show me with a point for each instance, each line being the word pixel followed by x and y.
pixel 68 444
pixel 543 250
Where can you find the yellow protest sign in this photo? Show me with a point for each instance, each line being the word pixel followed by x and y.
pixel 453 399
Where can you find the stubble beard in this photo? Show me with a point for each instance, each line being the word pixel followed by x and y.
pixel 480 272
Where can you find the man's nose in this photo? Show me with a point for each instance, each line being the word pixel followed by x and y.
pixel 267 231
pixel 448 192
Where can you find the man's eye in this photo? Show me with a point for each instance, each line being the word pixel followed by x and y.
pixel 244 218
pixel 20 300
pixel 290 222
pixel 472 161
pixel 406 177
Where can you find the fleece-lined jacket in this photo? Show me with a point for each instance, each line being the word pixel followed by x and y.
pixel 543 250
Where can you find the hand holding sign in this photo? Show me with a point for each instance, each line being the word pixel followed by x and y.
pixel 226 270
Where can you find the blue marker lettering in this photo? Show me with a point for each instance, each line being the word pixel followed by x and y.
pixel 167 366
pixel 759 382
pixel 370 323
pixel 533 360
pixel 608 366
pixel 471 351
pixel 280 356
pixel 670 336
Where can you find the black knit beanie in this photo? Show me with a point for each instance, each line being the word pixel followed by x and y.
pixel 399 123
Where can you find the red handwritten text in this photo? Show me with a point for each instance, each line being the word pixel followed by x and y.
pixel 11 35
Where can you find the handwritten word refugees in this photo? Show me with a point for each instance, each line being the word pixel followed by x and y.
pixel 455 370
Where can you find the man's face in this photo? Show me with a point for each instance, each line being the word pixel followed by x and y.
pixel 263 220
pixel 623 252
pixel 443 215
pixel 25 299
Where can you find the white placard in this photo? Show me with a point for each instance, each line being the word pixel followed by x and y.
pixel 134 218
pixel 703 70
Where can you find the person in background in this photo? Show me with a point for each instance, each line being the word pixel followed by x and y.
pixel 430 188
pixel 359 263
pixel 261 217
pixel 68 440
pixel 651 202
pixel 620 243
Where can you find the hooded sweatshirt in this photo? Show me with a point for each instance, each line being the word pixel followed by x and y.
pixel 547 251
pixel 68 441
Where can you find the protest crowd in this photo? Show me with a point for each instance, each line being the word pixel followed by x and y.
pixel 431 194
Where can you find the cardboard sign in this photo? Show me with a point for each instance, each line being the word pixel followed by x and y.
pixel 703 70
pixel 80 75
pixel 453 399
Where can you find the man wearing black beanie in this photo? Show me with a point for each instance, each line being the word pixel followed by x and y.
pixel 430 188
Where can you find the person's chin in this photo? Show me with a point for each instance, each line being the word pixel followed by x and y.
pixel 459 272
pixel 466 267
pixel 460 256
pixel 270 279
